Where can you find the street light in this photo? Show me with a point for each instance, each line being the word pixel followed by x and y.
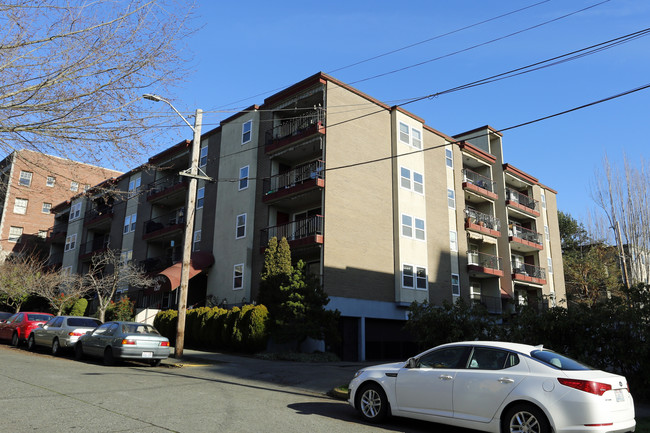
pixel 192 173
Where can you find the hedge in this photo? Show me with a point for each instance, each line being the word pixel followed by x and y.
pixel 239 329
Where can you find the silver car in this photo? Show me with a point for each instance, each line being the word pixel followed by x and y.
pixel 61 332
pixel 124 340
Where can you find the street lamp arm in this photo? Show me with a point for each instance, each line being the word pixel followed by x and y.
pixel 157 98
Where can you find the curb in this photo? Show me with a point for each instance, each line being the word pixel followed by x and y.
pixel 338 393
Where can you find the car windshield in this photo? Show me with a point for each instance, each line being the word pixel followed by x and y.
pixel 558 361
pixel 84 322
pixel 38 317
pixel 139 328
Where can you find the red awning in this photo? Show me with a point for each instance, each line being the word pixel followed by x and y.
pixel 170 278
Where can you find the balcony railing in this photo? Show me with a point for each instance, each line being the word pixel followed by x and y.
pixel 491 303
pixel 164 183
pixel 479 180
pixel 295 125
pixel 166 221
pixel 529 271
pixel 483 220
pixel 96 212
pixel 98 244
pixel 484 260
pixel 313 170
pixel 522 199
pixel 295 230
pixel 517 231
pixel 154 264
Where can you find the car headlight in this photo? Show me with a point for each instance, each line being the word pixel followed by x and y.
pixel 357 374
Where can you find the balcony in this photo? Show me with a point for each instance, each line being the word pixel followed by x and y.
pixel 97 245
pixel 99 218
pixel 525 273
pixel 306 179
pixel 479 184
pixel 154 265
pixel 57 234
pixel 302 233
pixel 482 223
pixel 523 239
pixel 482 265
pixel 168 191
pixel 295 129
pixel 521 203
pixel 491 303
pixel 165 227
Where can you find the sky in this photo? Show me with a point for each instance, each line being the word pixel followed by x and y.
pixel 243 52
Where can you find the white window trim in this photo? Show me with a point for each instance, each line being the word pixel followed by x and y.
pixel 426 278
pixel 403 225
pixel 413 139
pixel 200 198
pixel 413 228
pixel 408 133
pixel 416 229
pixel 418 183
pixel 413 270
pixel 48 210
pixel 47 181
pixel 234 275
pixel 20 178
pixel 203 155
pixel 18 239
pixel 74 186
pixel 453 241
pixel 449 157
pixel 452 284
pixel 70 240
pixel 196 240
pixel 405 178
pixel 20 210
pixel 247 177
pixel 237 226
pixel 452 198
pixel 243 132
pixel 75 211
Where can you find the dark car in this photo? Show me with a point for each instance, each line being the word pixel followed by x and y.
pixel 124 340
pixel 4 315
pixel 18 327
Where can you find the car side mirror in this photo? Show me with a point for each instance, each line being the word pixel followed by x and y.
pixel 411 363
pixel 89 332
pixel 40 325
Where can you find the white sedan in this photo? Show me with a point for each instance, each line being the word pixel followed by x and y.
pixel 496 387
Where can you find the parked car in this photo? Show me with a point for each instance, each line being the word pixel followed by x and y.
pixel 17 327
pixel 124 340
pixel 4 316
pixel 61 332
pixel 497 387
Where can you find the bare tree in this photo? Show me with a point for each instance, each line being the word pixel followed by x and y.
pixel 72 73
pixel 60 288
pixel 108 273
pixel 18 277
pixel 624 197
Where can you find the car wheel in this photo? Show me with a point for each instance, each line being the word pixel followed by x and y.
pixel 155 362
pixel 525 418
pixel 15 341
pixel 109 359
pixel 31 344
pixel 372 403
pixel 56 349
pixel 78 352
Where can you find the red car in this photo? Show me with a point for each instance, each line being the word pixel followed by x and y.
pixel 18 327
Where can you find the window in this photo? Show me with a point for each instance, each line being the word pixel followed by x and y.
pixel 134 186
pixel 407 226
pixel 75 211
pixel 129 223
pixel 490 359
pixel 404 135
pixel 47 207
pixel 25 178
pixel 543 201
pixel 42 234
pixel 451 199
pixel 196 245
pixel 547 234
pixel 550 265
pixel 421 278
pixel 419 229
pixel 475 291
pixel 246 131
pixel 450 357
pixel 407 276
pixel 51 180
pixel 74 186
pixel 453 240
pixel 449 158
pixel 70 242
pixel 455 285
pixel 200 195
pixel 20 206
pixel 241 226
pixel 15 234
pixel 238 277
pixel 126 257
pixel 243 178
pixel 405 178
pixel 418 182
pixel 416 139
pixel 203 157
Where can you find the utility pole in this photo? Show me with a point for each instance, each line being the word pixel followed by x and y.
pixel 193 173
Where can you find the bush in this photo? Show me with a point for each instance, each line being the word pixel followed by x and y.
pixel 120 310
pixel 78 308
pixel 166 322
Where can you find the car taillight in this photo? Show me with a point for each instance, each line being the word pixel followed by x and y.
pixel 127 341
pixel 164 343
pixel 586 385
pixel 75 334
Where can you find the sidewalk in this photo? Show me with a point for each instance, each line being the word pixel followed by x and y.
pixel 317 377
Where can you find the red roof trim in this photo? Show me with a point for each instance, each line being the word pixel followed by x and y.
pixel 467 147
pixel 520 174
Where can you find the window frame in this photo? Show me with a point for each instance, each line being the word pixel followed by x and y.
pixel 453 241
pixel 418 139
pixel 70 242
pixel 14 237
pixel 451 198
pixel 243 179
pixel 74 186
pixel 418 278
pixel 49 208
pixel 239 226
pixel 203 156
pixel 420 183
pixel 52 183
pixel 406 275
pixel 235 277
pixel 200 197
pixel 422 229
pixel 25 180
pixel 449 158
pixel 75 211
pixel 245 130
pixel 18 208
pixel 196 240
pixel 407 225
pixel 407 133
pixel 455 284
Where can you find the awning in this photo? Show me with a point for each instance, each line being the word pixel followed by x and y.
pixel 504 294
pixel 170 278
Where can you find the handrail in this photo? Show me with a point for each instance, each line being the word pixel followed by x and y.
pixel 520 232
pixel 485 260
pixel 488 221
pixel 294 230
pixel 479 180
pixel 517 197
pixel 312 170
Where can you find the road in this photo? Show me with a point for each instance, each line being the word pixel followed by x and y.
pixel 44 393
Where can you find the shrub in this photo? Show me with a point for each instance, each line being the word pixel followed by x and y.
pixel 78 308
pixel 166 322
pixel 120 310
pixel 254 329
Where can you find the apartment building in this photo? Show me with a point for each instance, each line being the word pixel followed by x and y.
pixel 30 184
pixel 385 209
